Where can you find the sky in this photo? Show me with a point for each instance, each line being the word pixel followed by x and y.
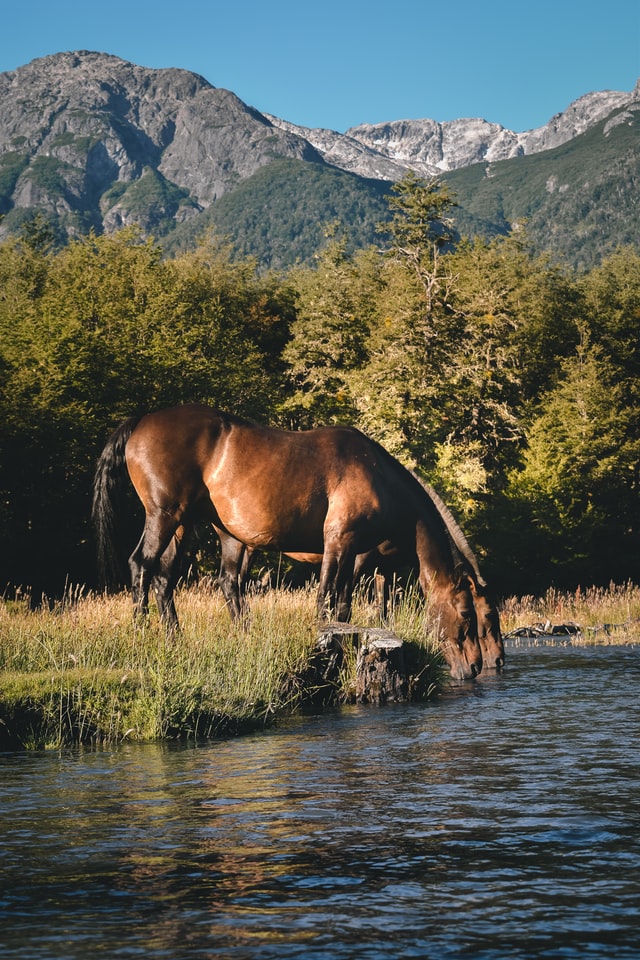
pixel 338 63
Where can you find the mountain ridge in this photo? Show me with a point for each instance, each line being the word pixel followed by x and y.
pixel 431 147
pixel 96 142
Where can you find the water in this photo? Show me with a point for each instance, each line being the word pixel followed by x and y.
pixel 502 820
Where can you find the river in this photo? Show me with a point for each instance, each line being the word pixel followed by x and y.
pixel 501 820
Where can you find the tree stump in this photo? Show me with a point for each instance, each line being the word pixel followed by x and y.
pixel 381 674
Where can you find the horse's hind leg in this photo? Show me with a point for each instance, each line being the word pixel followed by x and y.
pixel 165 580
pixel 139 582
pixel 144 562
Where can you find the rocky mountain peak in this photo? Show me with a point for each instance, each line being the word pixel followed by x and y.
pixel 93 123
pixel 94 141
pixel 430 147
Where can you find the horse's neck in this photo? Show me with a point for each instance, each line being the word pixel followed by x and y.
pixel 435 556
pixel 459 542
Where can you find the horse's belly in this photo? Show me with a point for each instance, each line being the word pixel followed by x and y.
pixel 261 524
pixel 288 495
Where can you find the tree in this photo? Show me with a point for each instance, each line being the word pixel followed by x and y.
pixel 575 476
pixel 335 302
pixel 612 311
pixel 396 390
pixel 516 322
pixel 419 230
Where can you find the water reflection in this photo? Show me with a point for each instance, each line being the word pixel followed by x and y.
pixel 499 821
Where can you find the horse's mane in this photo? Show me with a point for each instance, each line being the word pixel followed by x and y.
pixel 457 537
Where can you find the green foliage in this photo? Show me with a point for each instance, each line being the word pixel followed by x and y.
pixel 509 383
pixel 151 200
pixel 48 173
pixel 575 493
pixel 96 332
pixel 421 217
pixel 420 228
pixel 576 473
pixel 279 216
pixel 576 199
pixel 516 320
pixel 11 166
pixel 329 336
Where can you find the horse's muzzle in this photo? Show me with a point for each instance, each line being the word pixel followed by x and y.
pixel 461 671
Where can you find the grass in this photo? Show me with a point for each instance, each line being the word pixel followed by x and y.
pixel 81 672
pixel 610 614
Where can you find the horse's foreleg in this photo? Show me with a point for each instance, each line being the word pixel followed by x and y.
pixel 335 590
pixel 234 568
pixel 379 583
pixel 248 554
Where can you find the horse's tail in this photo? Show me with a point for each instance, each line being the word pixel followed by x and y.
pixel 107 496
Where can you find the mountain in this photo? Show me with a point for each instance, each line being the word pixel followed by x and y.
pixel 430 148
pixel 99 142
pixel 579 201
pixel 94 142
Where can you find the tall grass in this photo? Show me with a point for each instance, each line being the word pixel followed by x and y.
pixel 610 614
pixel 83 672
pixel 91 674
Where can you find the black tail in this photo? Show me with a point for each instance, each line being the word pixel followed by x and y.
pixel 107 489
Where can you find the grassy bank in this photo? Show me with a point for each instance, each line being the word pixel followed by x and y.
pixel 610 615
pixel 81 672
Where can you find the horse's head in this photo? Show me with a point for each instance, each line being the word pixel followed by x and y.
pixel 489 633
pixel 459 630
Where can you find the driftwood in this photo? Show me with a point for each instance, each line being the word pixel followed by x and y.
pixel 551 631
pixel 610 628
pixel 546 630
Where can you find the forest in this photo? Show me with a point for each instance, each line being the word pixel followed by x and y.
pixel 508 382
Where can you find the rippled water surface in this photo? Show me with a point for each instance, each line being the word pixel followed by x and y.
pixel 502 820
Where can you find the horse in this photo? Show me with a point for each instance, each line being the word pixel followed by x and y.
pixel 330 491
pixel 484 601
pixel 237 558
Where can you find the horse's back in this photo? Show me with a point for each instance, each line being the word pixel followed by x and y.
pixel 181 423
pixel 198 429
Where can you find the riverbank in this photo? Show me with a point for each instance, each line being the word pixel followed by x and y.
pixel 602 615
pixel 80 672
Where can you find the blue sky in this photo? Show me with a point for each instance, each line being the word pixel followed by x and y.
pixel 337 63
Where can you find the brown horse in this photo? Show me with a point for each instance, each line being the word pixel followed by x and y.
pixel 384 560
pixel 484 601
pixel 330 491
